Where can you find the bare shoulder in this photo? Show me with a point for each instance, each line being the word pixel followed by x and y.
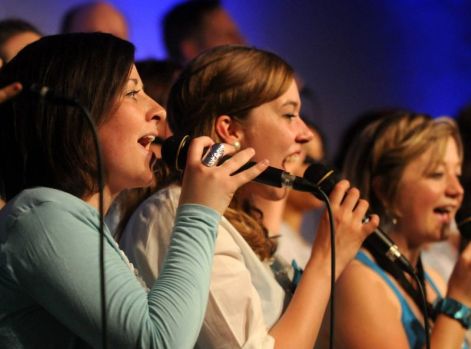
pixel 437 279
pixel 359 278
pixel 364 303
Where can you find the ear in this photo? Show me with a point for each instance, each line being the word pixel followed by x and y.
pixel 228 129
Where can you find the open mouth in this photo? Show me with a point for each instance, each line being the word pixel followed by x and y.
pixel 146 141
pixel 444 213
pixel 291 160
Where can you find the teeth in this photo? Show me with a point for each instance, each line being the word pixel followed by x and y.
pixel 292 158
pixel 146 140
pixel 150 139
pixel 443 210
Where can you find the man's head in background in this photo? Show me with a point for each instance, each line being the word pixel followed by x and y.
pixel 193 26
pixel 95 17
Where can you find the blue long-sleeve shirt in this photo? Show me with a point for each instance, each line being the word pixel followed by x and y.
pixel 49 278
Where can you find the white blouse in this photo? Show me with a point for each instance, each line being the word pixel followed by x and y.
pixel 245 300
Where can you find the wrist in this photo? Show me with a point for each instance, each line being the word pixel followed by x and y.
pixel 454 310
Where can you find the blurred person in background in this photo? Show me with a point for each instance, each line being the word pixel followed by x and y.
pixel 194 26
pixel 95 16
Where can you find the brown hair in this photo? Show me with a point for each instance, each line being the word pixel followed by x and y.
pixel 229 80
pixel 387 145
pixel 50 144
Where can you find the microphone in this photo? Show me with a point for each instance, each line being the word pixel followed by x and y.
pixel 46 93
pixel 175 149
pixel 464 224
pixel 325 179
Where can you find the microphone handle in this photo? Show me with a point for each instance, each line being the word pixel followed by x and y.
pixel 276 177
pixel 381 243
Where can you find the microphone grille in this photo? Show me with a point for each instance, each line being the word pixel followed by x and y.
pixel 174 151
pixel 322 176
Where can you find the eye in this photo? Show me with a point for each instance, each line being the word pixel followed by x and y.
pixel 436 174
pixel 133 93
pixel 290 115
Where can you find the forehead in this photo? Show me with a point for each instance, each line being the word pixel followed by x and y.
pixel 134 74
pixel 290 97
pixel 445 153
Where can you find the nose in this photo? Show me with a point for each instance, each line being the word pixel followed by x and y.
pixel 158 114
pixel 304 134
pixel 454 188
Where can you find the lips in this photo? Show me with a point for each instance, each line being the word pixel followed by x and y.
pixel 444 213
pixel 146 141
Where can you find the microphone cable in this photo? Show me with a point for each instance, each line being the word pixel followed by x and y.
pixel 45 93
pixel 325 198
pixel 326 181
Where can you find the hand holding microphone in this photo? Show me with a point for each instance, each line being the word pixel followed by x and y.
pixel 205 183
pixel 316 176
pixel 174 154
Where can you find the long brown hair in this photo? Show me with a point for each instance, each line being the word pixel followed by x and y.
pixel 48 144
pixel 229 80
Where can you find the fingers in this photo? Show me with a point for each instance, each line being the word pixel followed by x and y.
pixel 213 185
pixel 235 166
pixel 9 91
pixel 346 201
pixel 339 192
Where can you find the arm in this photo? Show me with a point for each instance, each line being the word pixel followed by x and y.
pixel 299 325
pixel 373 309
pixel 59 267
pixel 368 313
pixel 57 262
pixel 234 315
pixel 447 332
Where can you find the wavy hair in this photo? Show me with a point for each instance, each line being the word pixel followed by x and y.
pixel 229 80
pixel 387 145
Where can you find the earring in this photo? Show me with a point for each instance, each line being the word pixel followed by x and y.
pixel 394 220
pixel 236 145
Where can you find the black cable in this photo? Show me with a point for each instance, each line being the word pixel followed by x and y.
pixel 424 309
pixel 46 94
pixel 418 296
pixel 332 264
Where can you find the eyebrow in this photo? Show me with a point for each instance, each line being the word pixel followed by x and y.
pixel 290 103
pixel 293 104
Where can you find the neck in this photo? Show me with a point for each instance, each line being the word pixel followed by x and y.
pixel 272 213
pixel 409 250
pixel 293 217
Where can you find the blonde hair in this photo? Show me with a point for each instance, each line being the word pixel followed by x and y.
pixel 387 145
pixel 229 80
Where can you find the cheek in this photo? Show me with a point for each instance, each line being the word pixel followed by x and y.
pixel 418 200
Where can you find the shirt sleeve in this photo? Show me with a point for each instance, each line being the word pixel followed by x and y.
pixel 234 316
pixel 55 257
